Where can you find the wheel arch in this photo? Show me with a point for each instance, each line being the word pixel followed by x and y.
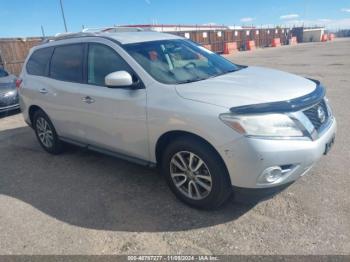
pixel 169 136
pixel 31 112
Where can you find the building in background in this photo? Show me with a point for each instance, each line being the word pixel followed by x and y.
pixel 306 34
pixel 343 33
pixel 217 38
pixel 178 28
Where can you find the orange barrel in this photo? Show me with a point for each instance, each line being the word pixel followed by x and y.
pixel 230 48
pixel 250 45
pixel 276 42
pixel 324 38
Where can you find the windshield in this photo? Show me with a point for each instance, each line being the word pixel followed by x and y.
pixel 179 61
pixel 3 73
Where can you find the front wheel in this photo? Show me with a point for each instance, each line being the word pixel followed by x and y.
pixel 196 173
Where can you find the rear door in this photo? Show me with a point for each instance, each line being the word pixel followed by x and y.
pixel 62 93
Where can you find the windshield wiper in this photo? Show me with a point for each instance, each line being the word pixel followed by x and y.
pixel 226 72
pixel 191 80
pixel 200 79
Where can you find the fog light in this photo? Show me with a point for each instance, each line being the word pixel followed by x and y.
pixel 271 175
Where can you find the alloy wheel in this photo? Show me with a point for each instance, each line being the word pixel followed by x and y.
pixel 190 175
pixel 44 132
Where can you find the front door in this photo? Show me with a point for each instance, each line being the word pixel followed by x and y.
pixel 115 118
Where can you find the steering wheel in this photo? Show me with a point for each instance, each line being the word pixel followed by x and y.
pixel 190 65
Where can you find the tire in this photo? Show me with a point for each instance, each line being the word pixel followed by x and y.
pixel 188 185
pixel 42 125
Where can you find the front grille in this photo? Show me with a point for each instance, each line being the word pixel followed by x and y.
pixel 315 117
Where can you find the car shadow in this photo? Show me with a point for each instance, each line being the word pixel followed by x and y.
pixel 91 190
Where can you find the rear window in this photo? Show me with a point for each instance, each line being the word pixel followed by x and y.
pixel 39 61
pixel 67 63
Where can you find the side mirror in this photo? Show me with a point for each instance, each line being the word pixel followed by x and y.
pixel 118 79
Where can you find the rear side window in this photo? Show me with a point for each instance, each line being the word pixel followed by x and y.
pixel 67 63
pixel 39 61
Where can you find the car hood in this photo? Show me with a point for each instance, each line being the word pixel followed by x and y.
pixel 7 83
pixel 251 85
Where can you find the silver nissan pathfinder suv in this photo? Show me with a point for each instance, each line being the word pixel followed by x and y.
pixel 161 100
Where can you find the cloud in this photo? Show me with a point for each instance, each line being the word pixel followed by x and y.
pixel 247 19
pixel 324 20
pixel 148 2
pixel 346 10
pixel 289 16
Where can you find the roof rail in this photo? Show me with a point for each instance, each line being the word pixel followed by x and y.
pixel 71 35
pixel 92 32
pixel 113 29
pixel 61 36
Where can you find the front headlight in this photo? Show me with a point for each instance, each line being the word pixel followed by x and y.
pixel 10 93
pixel 267 125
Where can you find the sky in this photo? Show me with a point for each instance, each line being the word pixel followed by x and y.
pixel 20 18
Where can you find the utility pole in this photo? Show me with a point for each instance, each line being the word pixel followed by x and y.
pixel 63 17
pixel 42 31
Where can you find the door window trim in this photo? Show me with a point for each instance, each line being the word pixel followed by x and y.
pixel 47 67
pixel 84 45
pixel 86 69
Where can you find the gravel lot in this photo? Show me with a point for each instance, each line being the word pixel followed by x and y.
pixel 83 202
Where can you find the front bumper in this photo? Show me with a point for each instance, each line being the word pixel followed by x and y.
pixel 9 108
pixel 9 103
pixel 247 158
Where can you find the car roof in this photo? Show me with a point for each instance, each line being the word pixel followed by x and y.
pixel 120 37
pixel 138 37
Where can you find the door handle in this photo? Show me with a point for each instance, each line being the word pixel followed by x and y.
pixel 43 91
pixel 88 100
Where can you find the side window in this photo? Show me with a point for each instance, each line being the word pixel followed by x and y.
pixel 3 73
pixel 67 63
pixel 103 60
pixel 39 61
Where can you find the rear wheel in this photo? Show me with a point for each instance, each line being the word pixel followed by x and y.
pixel 46 133
pixel 196 173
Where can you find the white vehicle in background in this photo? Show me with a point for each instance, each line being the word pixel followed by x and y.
pixel 159 99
